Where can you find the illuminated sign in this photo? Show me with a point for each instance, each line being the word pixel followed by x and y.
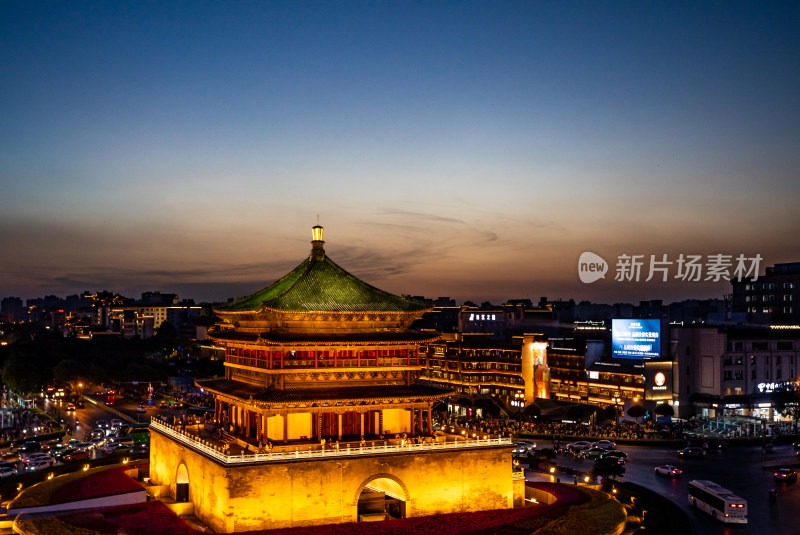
pixel 768 388
pixel 636 339
pixel 482 317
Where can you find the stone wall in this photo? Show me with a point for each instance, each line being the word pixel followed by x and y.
pixel 305 492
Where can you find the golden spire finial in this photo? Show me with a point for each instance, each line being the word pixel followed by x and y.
pixel 316 241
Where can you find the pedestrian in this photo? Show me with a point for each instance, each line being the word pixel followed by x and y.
pixel 575 478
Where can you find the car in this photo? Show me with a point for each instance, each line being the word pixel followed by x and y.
pixel 60 453
pixel 11 457
pixel 77 455
pixel 38 465
pixel 524 446
pixel 785 474
pixel 591 453
pixel 4 464
pixel 102 424
pixel 178 405
pixel 668 470
pixel 163 405
pixel 80 446
pixel 141 408
pixel 30 446
pixel 620 457
pixel 8 471
pixel 116 422
pixel 579 446
pixel 28 458
pixel 70 407
pixel 36 457
pixel 111 449
pixel 605 444
pixel 692 451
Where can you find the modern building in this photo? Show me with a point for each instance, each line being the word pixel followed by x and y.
pixel 324 367
pixel 734 370
pixel 773 298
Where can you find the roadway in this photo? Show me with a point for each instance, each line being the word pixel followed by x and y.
pixel 745 470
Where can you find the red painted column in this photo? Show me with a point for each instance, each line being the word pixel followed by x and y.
pixel 430 419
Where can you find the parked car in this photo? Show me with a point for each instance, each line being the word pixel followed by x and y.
pixel 141 408
pixel 785 474
pixel 605 444
pixel 579 446
pixel 8 471
pixel 692 451
pixel 668 470
pixel 77 455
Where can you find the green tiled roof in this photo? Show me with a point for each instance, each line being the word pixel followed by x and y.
pixel 320 285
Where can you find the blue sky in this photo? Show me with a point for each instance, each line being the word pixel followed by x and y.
pixel 469 149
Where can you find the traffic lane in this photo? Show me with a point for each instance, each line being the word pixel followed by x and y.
pixel 130 409
pixel 738 469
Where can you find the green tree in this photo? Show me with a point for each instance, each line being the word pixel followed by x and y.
pixel 23 373
pixel 664 409
pixel 786 401
pixel 636 411
pixel 576 413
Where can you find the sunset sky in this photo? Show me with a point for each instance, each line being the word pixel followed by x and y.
pixel 463 149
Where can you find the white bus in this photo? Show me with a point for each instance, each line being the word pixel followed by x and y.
pixel 717 501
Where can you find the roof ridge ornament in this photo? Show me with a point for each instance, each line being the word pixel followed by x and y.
pixel 317 251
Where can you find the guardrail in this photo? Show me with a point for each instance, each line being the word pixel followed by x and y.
pixel 212 450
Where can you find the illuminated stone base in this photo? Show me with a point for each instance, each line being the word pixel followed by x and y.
pixel 302 492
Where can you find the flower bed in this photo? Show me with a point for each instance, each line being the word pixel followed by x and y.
pixel 150 518
pixel 154 518
pixel 105 483
pixel 523 520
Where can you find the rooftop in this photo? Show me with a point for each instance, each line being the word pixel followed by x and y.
pixel 318 284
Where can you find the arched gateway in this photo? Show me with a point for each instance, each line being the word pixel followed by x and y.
pixel 381 497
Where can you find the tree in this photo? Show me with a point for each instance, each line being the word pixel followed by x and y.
pixel 786 401
pixel 611 412
pixel 576 413
pixel 636 411
pixel 665 409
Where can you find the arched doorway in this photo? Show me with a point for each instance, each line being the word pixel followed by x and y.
pixel 381 498
pixel 182 484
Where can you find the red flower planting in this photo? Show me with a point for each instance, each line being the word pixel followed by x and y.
pixel 150 518
pixel 105 483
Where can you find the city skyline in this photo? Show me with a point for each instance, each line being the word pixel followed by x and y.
pixel 470 150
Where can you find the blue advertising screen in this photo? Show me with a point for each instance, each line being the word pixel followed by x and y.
pixel 636 339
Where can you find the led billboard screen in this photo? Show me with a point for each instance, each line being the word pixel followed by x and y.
pixel 636 339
